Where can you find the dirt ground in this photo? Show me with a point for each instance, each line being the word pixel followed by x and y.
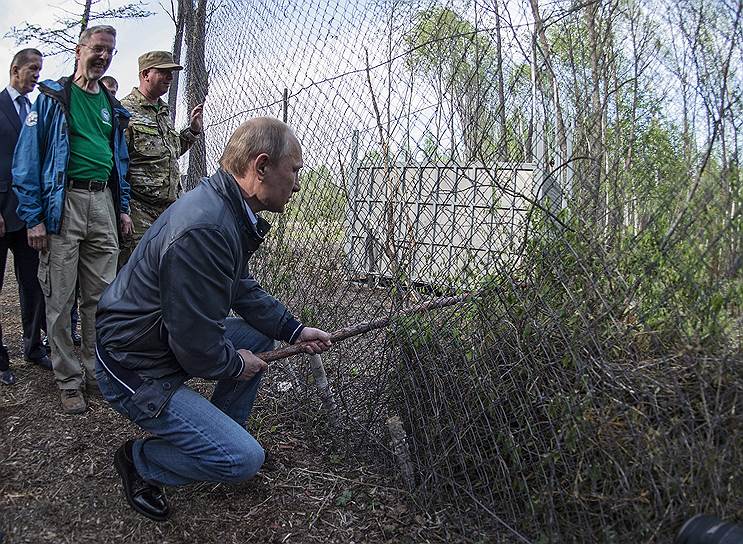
pixel 58 484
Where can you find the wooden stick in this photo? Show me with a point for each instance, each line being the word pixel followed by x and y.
pixel 363 327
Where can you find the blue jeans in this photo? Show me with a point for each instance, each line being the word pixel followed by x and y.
pixel 197 439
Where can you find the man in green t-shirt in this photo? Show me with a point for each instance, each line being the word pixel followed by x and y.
pixel 69 173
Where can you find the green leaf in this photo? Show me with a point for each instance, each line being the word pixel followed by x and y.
pixel 344 498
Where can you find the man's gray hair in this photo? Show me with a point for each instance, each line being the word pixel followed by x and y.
pixel 255 136
pixel 88 32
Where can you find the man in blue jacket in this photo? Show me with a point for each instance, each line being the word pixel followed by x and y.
pixel 164 320
pixel 69 174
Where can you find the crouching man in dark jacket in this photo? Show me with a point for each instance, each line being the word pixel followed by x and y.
pixel 164 319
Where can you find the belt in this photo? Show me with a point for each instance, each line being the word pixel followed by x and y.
pixel 91 185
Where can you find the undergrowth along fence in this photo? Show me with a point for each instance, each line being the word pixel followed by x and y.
pixel 576 166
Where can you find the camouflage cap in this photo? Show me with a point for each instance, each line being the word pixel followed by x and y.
pixel 158 59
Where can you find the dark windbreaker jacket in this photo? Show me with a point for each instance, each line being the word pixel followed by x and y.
pixel 163 316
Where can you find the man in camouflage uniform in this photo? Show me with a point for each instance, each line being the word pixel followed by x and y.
pixel 154 145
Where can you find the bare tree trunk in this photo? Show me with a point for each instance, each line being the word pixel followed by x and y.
pixel 185 12
pixel 86 16
pixel 579 81
pixel 502 151
pixel 592 202
pixel 642 38
pixel 197 85
pixel 543 44
pixel 735 255
pixel 84 20
pixel 467 110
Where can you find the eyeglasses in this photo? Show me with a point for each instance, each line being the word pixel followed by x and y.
pixel 100 49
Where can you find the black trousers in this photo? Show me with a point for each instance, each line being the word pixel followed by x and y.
pixel 26 265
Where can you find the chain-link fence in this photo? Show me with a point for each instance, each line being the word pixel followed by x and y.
pixel 574 168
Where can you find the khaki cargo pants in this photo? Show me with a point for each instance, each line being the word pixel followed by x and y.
pixel 85 248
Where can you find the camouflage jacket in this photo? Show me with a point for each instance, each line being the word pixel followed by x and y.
pixel 154 148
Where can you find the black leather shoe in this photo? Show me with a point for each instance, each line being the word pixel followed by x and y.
pixel 76 339
pixel 44 362
pixel 147 499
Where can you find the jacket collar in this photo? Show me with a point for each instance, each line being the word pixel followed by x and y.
pixel 58 90
pixel 226 185
pixel 61 89
pixel 160 106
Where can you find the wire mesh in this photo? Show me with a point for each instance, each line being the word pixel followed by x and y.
pixel 572 166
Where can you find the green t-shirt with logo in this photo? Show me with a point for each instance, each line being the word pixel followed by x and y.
pixel 91 127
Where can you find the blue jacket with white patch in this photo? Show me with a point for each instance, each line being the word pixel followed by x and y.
pixel 43 151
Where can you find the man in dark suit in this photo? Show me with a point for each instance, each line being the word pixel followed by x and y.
pixel 14 107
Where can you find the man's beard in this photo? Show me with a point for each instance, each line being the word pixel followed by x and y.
pixel 96 70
